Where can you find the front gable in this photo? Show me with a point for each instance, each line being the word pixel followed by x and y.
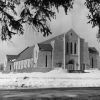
pixel 71 36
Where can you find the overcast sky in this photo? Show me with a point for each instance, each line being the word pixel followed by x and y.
pixel 76 19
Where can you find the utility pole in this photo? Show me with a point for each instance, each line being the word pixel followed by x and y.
pixel 64 50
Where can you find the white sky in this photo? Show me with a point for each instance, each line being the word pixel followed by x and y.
pixel 76 19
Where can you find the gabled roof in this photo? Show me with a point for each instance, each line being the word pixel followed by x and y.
pixel 93 50
pixel 45 47
pixel 28 52
pixel 72 31
pixel 11 57
pixel 61 35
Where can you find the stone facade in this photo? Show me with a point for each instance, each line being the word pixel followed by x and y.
pixel 77 55
pixel 72 50
pixel 76 51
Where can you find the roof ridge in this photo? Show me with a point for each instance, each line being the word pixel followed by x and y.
pixel 23 50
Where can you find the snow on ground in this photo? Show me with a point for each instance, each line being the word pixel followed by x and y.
pixel 55 78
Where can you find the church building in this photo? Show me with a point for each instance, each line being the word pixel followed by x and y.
pixel 67 50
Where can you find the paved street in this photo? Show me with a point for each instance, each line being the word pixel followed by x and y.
pixel 51 94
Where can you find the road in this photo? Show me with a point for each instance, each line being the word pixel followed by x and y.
pixel 51 94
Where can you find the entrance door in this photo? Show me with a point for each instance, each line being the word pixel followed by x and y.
pixel 70 66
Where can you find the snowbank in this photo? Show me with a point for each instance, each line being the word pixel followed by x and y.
pixel 54 78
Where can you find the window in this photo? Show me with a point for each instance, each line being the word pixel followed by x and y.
pixel 10 67
pixel 67 48
pixel 71 34
pixel 28 63
pixel 19 64
pixel 14 65
pixel 24 64
pixel 46 61
pixel 92 63
pixel 71 48
pixel 31 62
pixel 75 48
pixel 25 61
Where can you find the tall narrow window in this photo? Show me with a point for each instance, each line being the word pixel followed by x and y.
pixel 71 48
pixel 92 63
pixel 75 48
pixel 46 61
pixel 14 66
pixel 10 67
pixel 67 48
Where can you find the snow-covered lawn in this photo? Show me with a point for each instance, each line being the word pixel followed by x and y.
pixel 54 78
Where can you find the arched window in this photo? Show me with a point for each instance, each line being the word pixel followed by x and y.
pixel 71 48
pixel 67 48
pixel 74 48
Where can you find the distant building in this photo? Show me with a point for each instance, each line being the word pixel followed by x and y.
pixel 67 50
pixel 94 57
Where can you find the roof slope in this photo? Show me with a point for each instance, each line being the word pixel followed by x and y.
pixel 11 57
pixel 93 50
pixel 45 47
pixel 26 54
pixel 61 35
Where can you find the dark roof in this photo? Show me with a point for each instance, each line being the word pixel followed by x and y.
pixel 11 57
pixel 28 52
pixel 45 47
pixel 93 50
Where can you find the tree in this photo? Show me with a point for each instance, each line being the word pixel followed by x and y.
pixel 35 12
pixel 94 16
